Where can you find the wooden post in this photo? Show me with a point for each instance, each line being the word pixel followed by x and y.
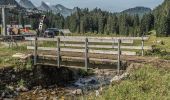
pixel 86 54
pixel 35 50
pixel 119 53
pixel 142 46
pixel 4 32
pixel 58 52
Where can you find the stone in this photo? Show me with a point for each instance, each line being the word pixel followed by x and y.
pixel 118 78
pixel 31 74
pixel 43 91
pixel 53 92
pixel 97 93
pixel 3 94
pixel 22 89
pixel 11 88
pixel 42 98
pixel 35 92
pixel 78 92
pixel 13 76
pixel 55 98
pixel 18 55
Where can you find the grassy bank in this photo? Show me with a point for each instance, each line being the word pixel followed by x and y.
pixel 146 83
pixel 6 55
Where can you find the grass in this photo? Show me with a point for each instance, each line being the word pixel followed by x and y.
pixel 6 55
pixel 146 83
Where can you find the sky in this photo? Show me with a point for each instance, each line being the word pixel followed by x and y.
pixel 108 5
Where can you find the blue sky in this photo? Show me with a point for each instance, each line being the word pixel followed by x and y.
pixel 109 5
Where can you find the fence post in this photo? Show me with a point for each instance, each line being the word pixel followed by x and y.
pixel 86 54
pixel 58 52
pixel 119 53
pixel 142 46
pixel 35 50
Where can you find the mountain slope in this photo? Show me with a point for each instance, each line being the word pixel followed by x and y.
pixel 26 4
pixel 44 7
pixel 137 10
pixel 162 18
pixel 57 9
pixel 9 2
pixel 61 9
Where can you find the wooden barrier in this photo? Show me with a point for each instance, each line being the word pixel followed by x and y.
pixel 128 53
pixel 107 46
pixel 106 38
pixel 83 45
pixel 109 40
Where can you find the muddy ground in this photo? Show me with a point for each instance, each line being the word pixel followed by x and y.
pixel 51 83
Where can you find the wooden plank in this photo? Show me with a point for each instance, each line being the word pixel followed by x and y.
pixel 79 58
pixel 82 50
pixel 142 47
pixel 110 41
pixel 25 35
pixel 118 58
pixel 81 40
pixel 35 50
pixel 73 58
pixel 54 65
pixel 72 50
pixel 108 46
pixel 42 48
pixel 63 57
pixel 58 52
pixel 102 60
pixel 112 52
pixel 113 38
pixel 86 54
pixel 29 39
pixel 95 40
pixel 41 39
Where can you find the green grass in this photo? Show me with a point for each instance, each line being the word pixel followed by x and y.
pixel 146 83
pixel 6 55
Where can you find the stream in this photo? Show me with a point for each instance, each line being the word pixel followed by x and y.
pixel 49 83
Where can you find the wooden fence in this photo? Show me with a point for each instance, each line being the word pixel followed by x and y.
pixel 90 45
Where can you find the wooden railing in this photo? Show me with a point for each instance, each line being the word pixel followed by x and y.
pixel 90 45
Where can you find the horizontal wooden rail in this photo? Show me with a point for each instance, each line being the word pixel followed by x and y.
pixel 82 50
pixel 130 53
pixel 25 35
pixel 108 46
pixel 54 65
pixel 79 58
pixel 92 40
pixel 111 38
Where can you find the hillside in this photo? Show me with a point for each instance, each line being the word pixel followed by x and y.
pixel 162 18
pixel 27 4
pixel 137 10
pixel 44 7
pixel 61 9
pixel 11 2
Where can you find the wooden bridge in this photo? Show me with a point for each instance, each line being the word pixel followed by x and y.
pixel 79 48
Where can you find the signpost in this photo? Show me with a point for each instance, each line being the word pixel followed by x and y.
pixel 3 7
